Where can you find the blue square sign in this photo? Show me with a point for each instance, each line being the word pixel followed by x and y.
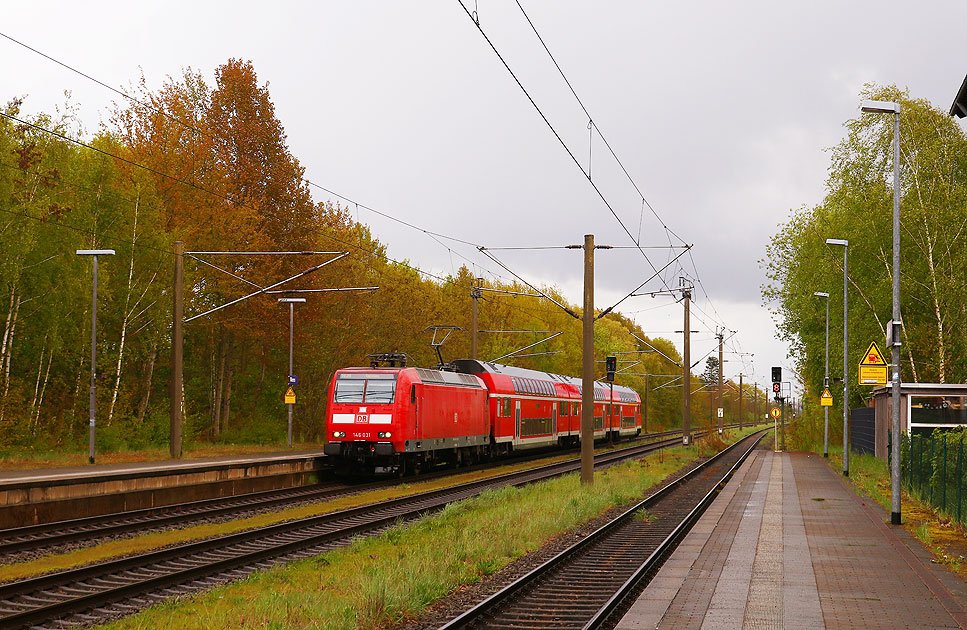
pixel 293 379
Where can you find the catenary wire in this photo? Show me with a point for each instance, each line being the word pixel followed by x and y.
pixel 596 128
pixel 383 214
pixel 196 130
pixel 604 139
pixel 559 138
pixel 213 193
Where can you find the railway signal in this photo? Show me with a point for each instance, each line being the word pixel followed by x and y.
pixel 610 366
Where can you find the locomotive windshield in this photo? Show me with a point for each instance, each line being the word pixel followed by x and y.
pixel 372 388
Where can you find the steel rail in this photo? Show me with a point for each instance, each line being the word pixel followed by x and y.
pixel 657 557
pixel 26 602
pixel 486 607
pixel 30 537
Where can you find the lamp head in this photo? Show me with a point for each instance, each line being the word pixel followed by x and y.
pixel 837 241
pixel 292 300
pixel 880 107
pixel 821 294
pixel 95 252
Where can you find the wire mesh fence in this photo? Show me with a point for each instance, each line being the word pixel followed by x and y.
pixel 932 468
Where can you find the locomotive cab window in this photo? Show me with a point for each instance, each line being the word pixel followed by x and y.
pixel 369 388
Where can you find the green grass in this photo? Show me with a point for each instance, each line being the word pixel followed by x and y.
pixel 642 514
pixel 380 581
pixel 922 532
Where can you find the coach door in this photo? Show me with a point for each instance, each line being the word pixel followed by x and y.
pixel 554 416
pixel 517 417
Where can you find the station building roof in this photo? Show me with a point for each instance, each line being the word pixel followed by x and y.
pixel 959 106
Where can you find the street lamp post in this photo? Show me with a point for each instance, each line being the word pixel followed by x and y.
pixel 826 379
pixel 889 107
pixel 93 253
pixel 291 302
pixel 845 244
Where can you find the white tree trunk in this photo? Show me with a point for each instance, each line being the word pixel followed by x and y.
pixel 43 389
pixel 6 328
pixel 9 348
pixel 126 318
pixel 143 403
pixel 40 370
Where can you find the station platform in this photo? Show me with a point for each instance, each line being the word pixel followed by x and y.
pixel 29 497
pixel 788 544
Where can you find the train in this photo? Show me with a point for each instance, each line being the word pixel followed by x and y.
pixel 402 420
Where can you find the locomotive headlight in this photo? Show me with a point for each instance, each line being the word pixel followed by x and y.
pixel 338 434
pixel 384 434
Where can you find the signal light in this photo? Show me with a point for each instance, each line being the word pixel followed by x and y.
pixel 776 374
pixel 776 387
pixel 610 366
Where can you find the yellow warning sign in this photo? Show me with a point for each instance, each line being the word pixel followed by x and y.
pixel 776 412
pixel 826 400
pixel 873 368
pixel 873 356
pixel 290 396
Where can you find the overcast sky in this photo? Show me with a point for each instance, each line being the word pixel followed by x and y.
pixel 721 112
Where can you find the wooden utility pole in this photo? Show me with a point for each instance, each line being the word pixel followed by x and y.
pixel 687 375
pixel 645 428
pixel 720 412
pixel 740 401
pixel 177 352
pixel 755 407
pixel 587 372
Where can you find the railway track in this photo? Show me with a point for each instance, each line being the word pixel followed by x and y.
pixel 95 593
pixel 589 584
pixel 17 543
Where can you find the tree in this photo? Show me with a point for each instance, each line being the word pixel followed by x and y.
pixel 858 207
pixel 710 377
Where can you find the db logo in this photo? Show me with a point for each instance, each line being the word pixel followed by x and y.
pixel 362 418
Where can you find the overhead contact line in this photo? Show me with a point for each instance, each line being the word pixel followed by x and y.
pixel 193 128
pixel 558 136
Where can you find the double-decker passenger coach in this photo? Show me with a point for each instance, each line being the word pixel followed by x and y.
pixel 530 408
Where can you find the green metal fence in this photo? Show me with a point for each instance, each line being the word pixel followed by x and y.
pixel 932 468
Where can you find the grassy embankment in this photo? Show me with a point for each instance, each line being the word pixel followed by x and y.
pixel 378 582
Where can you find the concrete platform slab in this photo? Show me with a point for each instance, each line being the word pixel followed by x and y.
pixel 788 544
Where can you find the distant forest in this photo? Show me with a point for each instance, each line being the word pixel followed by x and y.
pixel 208 164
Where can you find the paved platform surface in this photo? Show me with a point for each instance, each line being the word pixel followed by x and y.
pixel 788 544
pixel 140 469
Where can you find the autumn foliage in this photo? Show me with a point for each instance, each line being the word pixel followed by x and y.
pixel 208 165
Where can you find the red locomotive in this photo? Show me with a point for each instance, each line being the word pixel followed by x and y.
pixel 399 419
